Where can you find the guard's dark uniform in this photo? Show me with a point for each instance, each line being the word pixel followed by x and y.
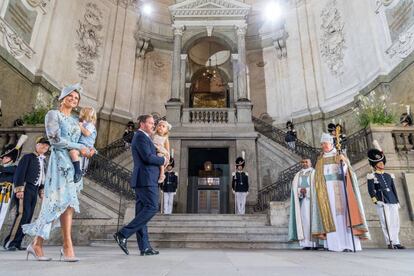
pixel 240 183
pixel 170 183
pixel 169 188
pixel 240 186
pixel 29 178
pixel 7 171
pixel 382 184
pixel 383 193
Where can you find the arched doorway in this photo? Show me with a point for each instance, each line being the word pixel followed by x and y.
pixel 210 67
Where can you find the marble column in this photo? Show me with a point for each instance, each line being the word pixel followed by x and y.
pixel 241 48
pixel 182 76
pixel 176 70
pixel 235 60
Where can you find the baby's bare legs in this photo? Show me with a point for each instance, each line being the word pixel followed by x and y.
pixel 162 170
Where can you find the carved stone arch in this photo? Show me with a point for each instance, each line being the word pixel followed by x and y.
pixel 202 35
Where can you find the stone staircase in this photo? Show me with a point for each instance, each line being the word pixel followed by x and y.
pixel 210 231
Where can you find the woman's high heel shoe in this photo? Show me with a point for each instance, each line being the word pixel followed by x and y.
pixel 67 259
pixel 30 250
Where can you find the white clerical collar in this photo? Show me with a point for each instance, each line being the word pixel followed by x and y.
pixel 331 153
pixel 307 170
pixel 144 132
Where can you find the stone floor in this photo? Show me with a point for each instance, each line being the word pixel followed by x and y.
pixel 109 260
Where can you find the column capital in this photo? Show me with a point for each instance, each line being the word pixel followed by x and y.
pixel 178 29
pixel 234 56
pixel 241 29
pixel 184 56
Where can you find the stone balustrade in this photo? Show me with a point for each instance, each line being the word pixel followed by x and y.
pixel 403 138
pixel 208 116
pixel 10 136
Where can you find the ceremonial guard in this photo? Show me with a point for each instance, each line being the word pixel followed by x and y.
pixel 169 187
pixel 7 170
pixel 382 191
pixel 338 205
pixel 300 207
pixel 28 185
pixel 240 186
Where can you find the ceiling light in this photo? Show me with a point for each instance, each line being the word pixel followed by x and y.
pixel 273 11
pixel 146 9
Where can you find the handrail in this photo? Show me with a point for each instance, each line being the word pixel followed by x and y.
pixel 277 135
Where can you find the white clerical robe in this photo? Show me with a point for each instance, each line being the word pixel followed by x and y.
pixel 341 239
pixel 302 203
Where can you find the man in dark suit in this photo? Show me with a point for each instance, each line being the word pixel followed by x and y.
pixel 145 182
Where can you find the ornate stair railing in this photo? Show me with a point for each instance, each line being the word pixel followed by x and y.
pixel 277 135
pixel 357 146
pixel 116 148
pixel 110 175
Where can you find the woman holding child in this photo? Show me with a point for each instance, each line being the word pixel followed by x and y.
pixel 61 189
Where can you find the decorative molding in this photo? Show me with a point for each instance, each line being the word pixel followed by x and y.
pixel 158 66
pixel 279 42
pixel 89 40
pixel 241 29
pixel 39 3
pixel 126 3
pixel 209 29
pixel 178 30
pixel 333 38
pixel 210 8
pixel 403 47
pixel 144 46
pixel 381 3
pixel 14 44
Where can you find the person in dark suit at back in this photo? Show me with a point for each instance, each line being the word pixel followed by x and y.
pixel 145 183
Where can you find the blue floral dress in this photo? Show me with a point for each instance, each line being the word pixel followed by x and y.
pixel 60 190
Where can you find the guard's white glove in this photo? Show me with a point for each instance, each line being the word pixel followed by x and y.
pixel 233 192
pixel 381 203
pixel 174 193
pixel 398 206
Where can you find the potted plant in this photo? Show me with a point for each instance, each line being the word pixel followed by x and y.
pixel 375 110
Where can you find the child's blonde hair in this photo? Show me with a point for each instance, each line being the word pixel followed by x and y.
pixel 168 125
pixel 88 114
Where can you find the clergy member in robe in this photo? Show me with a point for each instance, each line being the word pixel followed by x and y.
pixel 329 209
pixel 300 207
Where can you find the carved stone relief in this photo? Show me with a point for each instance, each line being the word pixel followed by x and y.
pixel 403 47
pixel 89 40
pixel 333 38
pixel 39 3
pixel 14 44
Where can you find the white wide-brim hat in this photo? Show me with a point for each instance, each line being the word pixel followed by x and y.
pixel 69 89
pixel 326 137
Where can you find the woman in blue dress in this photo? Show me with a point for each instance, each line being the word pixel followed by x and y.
pixel 61 193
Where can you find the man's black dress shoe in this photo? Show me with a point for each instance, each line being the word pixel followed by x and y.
pixel 306 248
pixel 21 248
pixel 149 252
pixel 399 246
pixel 121 241
pixel 11 248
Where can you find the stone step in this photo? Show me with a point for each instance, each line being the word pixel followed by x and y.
pixel 200 223
pixel 102 196
pixel 219 230
pixel 205 244
pixel 212 217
